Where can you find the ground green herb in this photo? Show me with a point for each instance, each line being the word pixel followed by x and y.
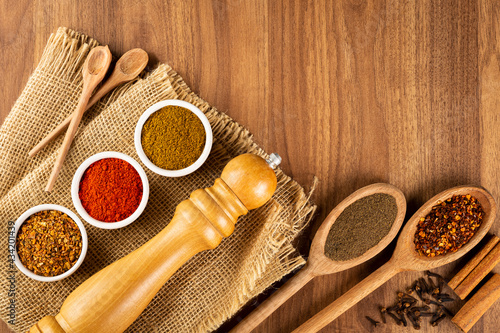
pixel 361 226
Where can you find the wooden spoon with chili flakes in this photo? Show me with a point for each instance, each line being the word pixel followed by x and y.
pixel 318 263
pixel 405 256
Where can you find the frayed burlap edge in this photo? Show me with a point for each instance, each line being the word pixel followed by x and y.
pixel 63 58
pixel 278 243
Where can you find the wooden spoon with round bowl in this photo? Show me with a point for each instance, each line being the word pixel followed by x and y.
pixel 405 257
pixel 127 68
pixel 318 263
pixel 95 67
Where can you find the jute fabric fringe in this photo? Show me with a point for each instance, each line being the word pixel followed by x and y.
pixel 213 285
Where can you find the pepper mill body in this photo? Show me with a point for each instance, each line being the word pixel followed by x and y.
pixel 114 297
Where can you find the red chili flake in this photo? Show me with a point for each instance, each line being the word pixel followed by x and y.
pixel 448 226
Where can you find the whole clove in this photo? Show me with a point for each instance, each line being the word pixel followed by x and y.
pixel 429 273
pixel 408 297
pixel 433 289
pixel 407 308
pixel 372 321
pixel 414 320
pixel 430 301
pixel 421 308
pixel 437 320
pixel 393 308
pixel 407 302
pixel 424 286
pixel 403 319
pixel 445 310
pixel 436 315
pixel 445 299
pixel 383 311
pixel 415 315
pixel 418 290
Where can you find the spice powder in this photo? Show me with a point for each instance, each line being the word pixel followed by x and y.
pixel 110 190
pixel 49 243
pixel 449 225
pixel 361 226
pixel 173 138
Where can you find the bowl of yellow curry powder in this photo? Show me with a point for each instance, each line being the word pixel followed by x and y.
pixel 173 138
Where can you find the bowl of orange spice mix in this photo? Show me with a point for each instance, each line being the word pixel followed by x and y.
pixel 51 243
pixel 110 190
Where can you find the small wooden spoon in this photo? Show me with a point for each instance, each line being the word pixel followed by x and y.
pixel 405 258
pixel 319 264
pixel 131 64
pixel 95 67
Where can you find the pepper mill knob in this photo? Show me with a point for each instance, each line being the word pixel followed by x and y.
pixel 251 178
pixel 111 299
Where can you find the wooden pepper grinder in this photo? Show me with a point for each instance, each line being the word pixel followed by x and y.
pixel 114 297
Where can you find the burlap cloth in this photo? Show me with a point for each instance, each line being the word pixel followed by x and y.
pixel 213 285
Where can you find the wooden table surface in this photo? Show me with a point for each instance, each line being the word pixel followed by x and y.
pixel 353 92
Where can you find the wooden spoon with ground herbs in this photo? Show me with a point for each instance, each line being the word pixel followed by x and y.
pixel 409 254
pixel 356 230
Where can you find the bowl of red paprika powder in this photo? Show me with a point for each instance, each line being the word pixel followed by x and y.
pixel 173 138
pixel 110 190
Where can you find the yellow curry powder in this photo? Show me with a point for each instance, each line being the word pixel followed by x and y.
pixel 173 138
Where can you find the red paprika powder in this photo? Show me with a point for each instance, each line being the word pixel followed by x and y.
pixel 110 190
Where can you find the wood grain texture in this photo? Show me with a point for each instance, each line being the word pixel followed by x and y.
pixel 318 264
pixel 352 91
pixel 405 258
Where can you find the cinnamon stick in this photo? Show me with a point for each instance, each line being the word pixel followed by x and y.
pixel 469 267
pixel 481 270
pixel 470 313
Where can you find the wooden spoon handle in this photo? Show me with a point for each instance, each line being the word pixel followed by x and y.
pixel 70 134
pixel 109 85
pixel 95 67
pixel 279 297
pixel 350 298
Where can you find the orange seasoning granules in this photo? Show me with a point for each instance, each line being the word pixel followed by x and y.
pixel 110 190
pixel 448 226
pixel 49 243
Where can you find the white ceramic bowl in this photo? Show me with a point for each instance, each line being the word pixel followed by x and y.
pixel 181 172
pixel 80 225
pixel 75 187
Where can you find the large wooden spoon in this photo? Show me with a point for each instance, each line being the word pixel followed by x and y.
pixel 318 263
pixel 127 68
pixel 405 258
pixel 95 67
